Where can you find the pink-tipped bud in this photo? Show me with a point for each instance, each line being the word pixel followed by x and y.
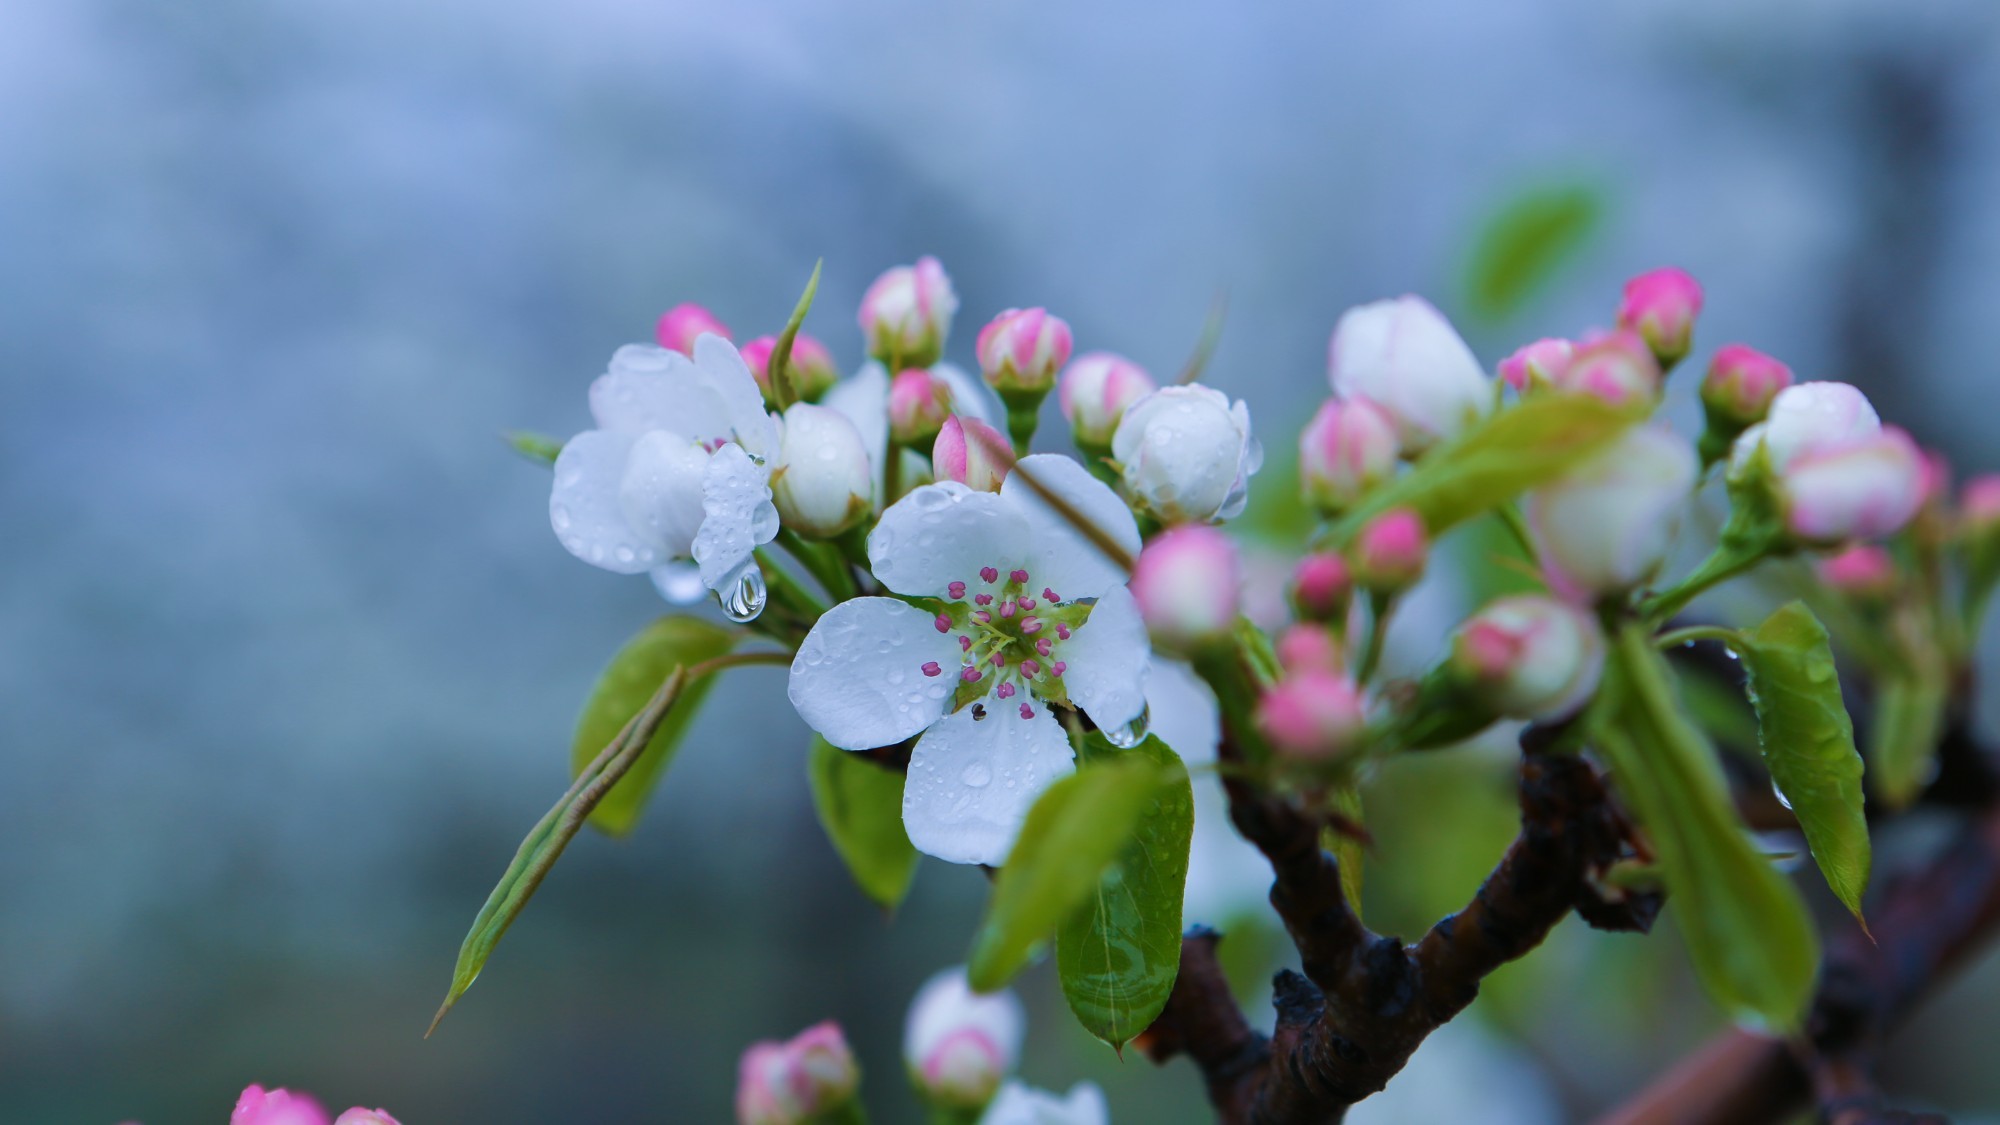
pixel 1739 387
pixel 1389 554
pixel 906 314
pixel 1661 307
pixel 1187 582
pixel 972 453
pixel 258 1106
pixel 1979 504
pixel 1529 657
pixel 1302 647
pixel 1321 586
pixel 1535 366
pixel 958 1045
pixel 1348 448
pixel 1312 715
pixel 360 1116
pixel 1864 490
pixel 681 325
pixel 1863 571
pixel 1094 392
pixel 1615 366
pixel 790 1083
pixel 919 403
pixel 1021 351
pixel 811 366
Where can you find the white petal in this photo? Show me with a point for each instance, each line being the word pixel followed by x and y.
pixel 943 533
pixel 584 506
pixel 721 368
pixel 1019 1104
pixel 1181 710
pixel 865 400
pixel 1062 559
pixel 858 677
pixel 970 395
pixel 651 388
pixel 972 780
pixel 679 581
pixel 661 490
pixel 737 515
pixel 1107 658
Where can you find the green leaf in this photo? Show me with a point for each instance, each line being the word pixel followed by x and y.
pixel 1525 242
pixel 1747 930
pixel 1903 734
pixel 1119 954
pixel 1519 448
pixel 861 807
pixel 539 448
pixel 622 690
pixel 1808 743
pixel 1076 828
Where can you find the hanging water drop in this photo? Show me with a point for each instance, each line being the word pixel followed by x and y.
pixel 1128 735
pixel 745 597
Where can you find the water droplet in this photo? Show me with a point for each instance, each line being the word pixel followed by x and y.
pixel 976 775
pixel 1130 734
pixel 1780 794
pixel 745 599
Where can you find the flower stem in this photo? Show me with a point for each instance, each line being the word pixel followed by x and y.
pixel 1695 633
pixel 822 562
pixel 1729 559
pixel 1379 606
pixel 786 592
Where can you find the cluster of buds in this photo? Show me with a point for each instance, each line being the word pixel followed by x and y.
pixel 798 1081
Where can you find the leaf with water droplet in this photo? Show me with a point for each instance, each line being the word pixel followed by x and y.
pixel 1076 828
pixel 1808 743
pixel 1119 953
pixel 860 805
pixel 621 692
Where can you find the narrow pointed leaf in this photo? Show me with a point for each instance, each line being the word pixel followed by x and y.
pixel 1077 827
pixel 860 805
pixel 539 448
pixel 1903 734
pixel 1808 743
pixel 1119 954
pixel 621 692
pixel 1518 449
pixel 1747 930
pixel 783 390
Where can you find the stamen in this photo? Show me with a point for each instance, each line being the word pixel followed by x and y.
pixel 1004 691
pixel 1030 626
pixel 965 644
pixel 990 573
pixel 971 672
pixel 943 623
pixel 1044 647
pixel 1025 603
pixel 1062 631
pixel 1027 712
pixel 1018 576
pixel 999 660
pixel 1050 595
pixel 1031 668
pixel 978 711
pixel 1058 668
pixel 1006 609
pixel 956 589
pixel 932 668
pixel 983 617
pixel 983 599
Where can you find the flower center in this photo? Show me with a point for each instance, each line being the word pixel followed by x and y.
pixel 1010 638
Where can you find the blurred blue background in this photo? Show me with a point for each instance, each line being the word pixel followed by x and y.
pixel 289 656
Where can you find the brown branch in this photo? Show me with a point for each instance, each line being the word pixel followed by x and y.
pixel 1364 1002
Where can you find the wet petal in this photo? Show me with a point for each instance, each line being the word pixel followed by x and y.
pixel 660 492
pixel 1107 658
pixel 584 505
pixel 865 400
pixel 737 515
pixel 651 388
pixel 972 780
pixel 720 367
pixel 858 677
pixel 943 533
pixel 1062 558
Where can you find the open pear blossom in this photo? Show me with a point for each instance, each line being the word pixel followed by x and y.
pixel 1606 525
pixel 1839 472
pixel 1405 357
pixel 1529 656
pixel 1024 1105
pixel 1186 454
pixel 959 1045
pixel 1007 612
pixel 677 468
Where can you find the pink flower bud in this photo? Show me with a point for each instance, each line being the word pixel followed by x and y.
pixel 1348 448
pixel 972 453
pixel 919 403
pixel 1862 490
pixel 1312 715
pixel 360 1116
pixel 1661 307
pixel 1536 365
pixel 1389 554
pixel 1302 647
pixel 1530 656
pixel 1187 584
pixel 1094 392
pixel 1405 357
pixel 958 1045
pixel 906 314
pixel 1979 504
pixel 258 1106
pixel 1320 587
pixel 1615 366
pixel 1740 386
pixel 1862 571
pixel 812 367
pixel 680 325
pixel 789 1083
pixel 1022 349
pixel 765 1094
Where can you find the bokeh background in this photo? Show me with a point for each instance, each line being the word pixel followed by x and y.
pixel 289 657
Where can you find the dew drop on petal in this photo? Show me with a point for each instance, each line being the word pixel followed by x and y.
pixel 744 598
pixel 976 776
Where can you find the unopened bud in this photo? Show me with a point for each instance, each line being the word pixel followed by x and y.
pixel 1979 504
pixel 1321 587
pixel 1615 366
pixel 1866 489
pixel 360 1116
pixel 919 403
pixel 1607 524
pixel 681 325
pixel 824 482
pixel 1405 357
pixel 1304 646
pixel 1661 306
pixel 1389 554
pixel 1185 454
pixel 960 1045
pixel 906 314
pixel 1021 350
pixel 811 367
pixel 1094 393
pixel 1864 571
pixel 258 1106
pixel 1348 448
pixel 1529 657
pixel 791 1083
pixel 972 453
pixel 1739 386
pixel 1536 365
pixel 1187 584
pixel 1312 715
